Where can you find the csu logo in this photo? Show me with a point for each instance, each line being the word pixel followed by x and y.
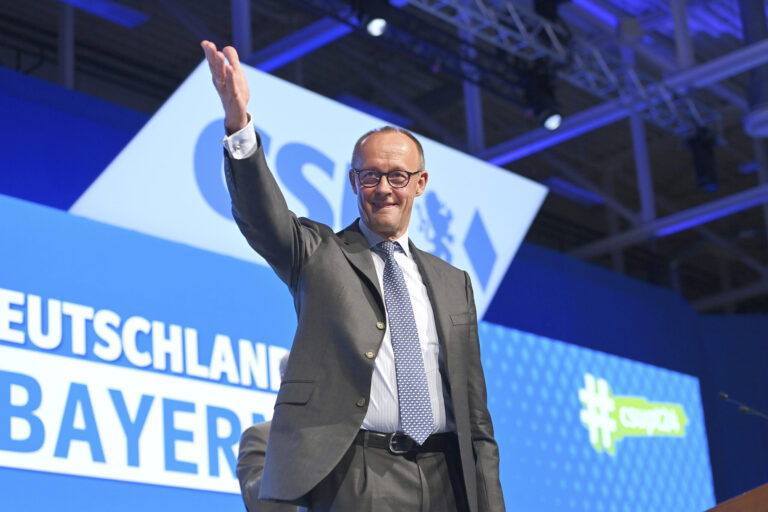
pixel 609 418
pixel 168 182
pixel 432 218
pixel 289 161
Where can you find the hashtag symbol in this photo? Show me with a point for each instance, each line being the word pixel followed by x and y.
pixel 596 415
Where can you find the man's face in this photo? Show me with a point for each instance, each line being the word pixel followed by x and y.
pixel 384 209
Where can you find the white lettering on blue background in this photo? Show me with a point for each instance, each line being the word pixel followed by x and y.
pixel 80 417
pixel 102 335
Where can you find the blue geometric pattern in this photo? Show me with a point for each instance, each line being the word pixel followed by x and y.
pixel 547 461
pixel 480 250
pixel 416 418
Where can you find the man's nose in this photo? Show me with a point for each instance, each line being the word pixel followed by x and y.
pixel 383 187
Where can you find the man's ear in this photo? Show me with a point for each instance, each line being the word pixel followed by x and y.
pixel 353 181
pixel 422 183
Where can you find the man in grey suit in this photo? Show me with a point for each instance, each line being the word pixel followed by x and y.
pixel 383 406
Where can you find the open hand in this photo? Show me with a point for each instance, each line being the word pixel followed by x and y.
pixel 229 79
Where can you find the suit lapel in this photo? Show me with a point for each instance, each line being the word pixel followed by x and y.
pixel 358 253
pixel 435 288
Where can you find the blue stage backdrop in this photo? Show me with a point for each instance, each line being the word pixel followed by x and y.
pixel 190 293
pixel 129 365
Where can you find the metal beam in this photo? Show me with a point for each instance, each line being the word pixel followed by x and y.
pixel 617 255
pixel 194 26
pixel 731 296
pixel 540 139
pixel 525 35
pixel 473 105
pixel 642 168
pixel 298 44
pixel 110 11
pixel 241 26
pixel 717 70
pixel 640 152
pixel 728 246
pixel 579 179
pixel 663 204
pixel 414 111
pixel 473 112
pixel 374 110
pixel 718 240
pixel 657 55
pixel 587 120
pixel 666 205
pixel 683 45
pixel 601 16
pixel 66 55
pixel 678 221
pixel 755 28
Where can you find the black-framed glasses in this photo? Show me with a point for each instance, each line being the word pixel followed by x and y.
pixel 370 178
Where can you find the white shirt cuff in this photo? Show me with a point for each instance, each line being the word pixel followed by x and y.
pixel 242 143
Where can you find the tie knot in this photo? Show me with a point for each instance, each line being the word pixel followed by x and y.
pixel 387 248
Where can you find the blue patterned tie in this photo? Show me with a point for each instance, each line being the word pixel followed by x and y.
pixel 416 419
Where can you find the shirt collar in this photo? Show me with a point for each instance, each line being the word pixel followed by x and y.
pixel 374 239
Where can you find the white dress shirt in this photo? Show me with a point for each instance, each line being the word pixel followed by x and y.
pixel 383 410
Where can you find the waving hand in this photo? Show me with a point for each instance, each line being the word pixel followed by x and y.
pixel 230 82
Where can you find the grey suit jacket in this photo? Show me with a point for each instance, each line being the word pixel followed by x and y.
pixel 341 318
pixel 250 467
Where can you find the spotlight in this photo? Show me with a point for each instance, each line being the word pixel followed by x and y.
pixel 553 122
pixel 376 27
pixel 702 146
pixel 538 84
pixel 372 14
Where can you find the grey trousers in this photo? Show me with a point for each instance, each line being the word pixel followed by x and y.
pixel 371 479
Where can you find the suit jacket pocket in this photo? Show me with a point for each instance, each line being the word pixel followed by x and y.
pixel 295 392
pixel 460 318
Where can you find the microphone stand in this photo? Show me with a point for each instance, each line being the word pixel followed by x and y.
pixel 743 408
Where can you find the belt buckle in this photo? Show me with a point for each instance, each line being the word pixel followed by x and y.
pixel 396 441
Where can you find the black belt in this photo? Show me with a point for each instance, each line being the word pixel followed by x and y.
pixel 400 444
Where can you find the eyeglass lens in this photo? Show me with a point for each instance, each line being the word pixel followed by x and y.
pixel 372 177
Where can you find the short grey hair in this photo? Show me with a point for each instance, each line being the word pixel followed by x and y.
pixel 388 129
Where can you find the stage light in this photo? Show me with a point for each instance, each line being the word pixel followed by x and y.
pixel 372 14
pixel 553 122
pixel 376 27
pixel 539 87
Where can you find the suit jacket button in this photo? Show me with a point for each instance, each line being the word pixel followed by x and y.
pixel 370 354
pixel 380 325
pixel 360 402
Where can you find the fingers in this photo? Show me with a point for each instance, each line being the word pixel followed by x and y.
pixel 214 59
pixel 229 80
pixel 221 67
pixel 232 56
pixel 210 54
pixel 222 64
pixel 233 68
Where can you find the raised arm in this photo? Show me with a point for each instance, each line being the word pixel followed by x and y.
pixel 229 81
pixel 258 205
